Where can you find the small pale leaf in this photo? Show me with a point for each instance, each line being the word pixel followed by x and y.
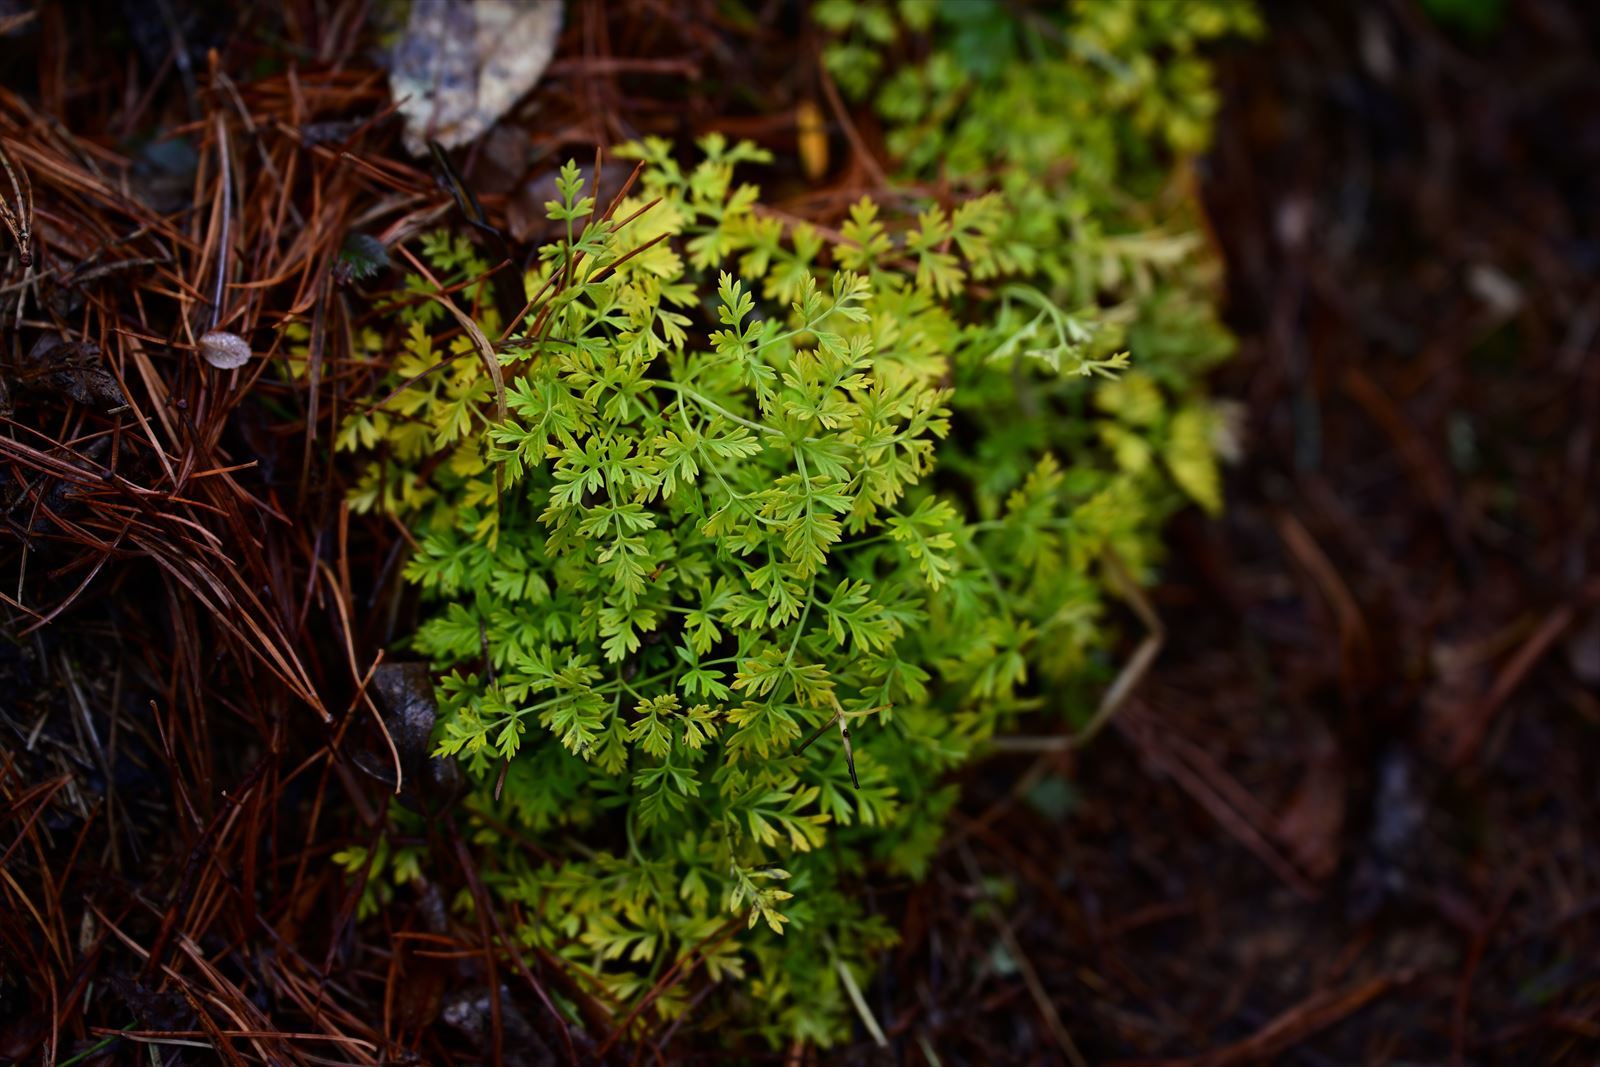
pixel 224 350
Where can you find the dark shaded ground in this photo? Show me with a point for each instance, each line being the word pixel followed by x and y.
pixel 1350 818
pixel 1347 820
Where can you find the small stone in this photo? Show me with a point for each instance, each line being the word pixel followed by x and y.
pixel 224 350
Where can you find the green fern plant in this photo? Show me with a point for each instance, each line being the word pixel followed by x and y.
pixel 752 531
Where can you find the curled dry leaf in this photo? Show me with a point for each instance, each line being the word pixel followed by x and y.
pixel 462 64
pixel 224 350
pixel 405 693
pixel 811 137
pixel 64 366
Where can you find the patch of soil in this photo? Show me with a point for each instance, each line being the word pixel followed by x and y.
pixel 1349 817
